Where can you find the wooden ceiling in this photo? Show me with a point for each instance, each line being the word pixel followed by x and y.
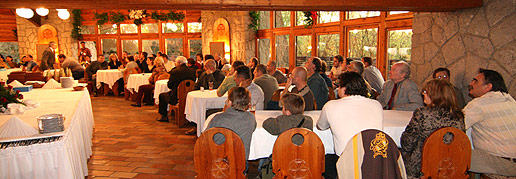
pixel 245 5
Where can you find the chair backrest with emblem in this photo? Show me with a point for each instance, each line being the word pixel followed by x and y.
pixel 225 160
pixel 290 160
pixel 446 154
pixel 371 154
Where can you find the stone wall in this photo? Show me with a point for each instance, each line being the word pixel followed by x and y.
pixel 28 35
pixel 464 41
pixel 242 39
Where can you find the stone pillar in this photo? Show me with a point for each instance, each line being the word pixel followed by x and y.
pixel 464 41
pixel 242 39
pixel 27 37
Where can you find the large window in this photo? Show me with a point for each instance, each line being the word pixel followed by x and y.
pixel 150 28
pixel 128 28
pixel 300 18
pixel 150 46
pixel 399 45
pixel 174 47
pixel 282 57
pixel 362 43
pixel 130 46
pixel 265 21
pixel 195 47
pixel 173 27
pixel 194 27
pixel 264 50
pixel 108 47
pixel 361 14
pixel 303 49
pixel 87 29
pixel 282 19
pixel 108 29
pixel 327 48
pixel 328 16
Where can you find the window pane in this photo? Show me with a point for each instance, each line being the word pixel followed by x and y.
pixel 87 29
pixel 398 12
pixel 150 28
pixel 10 49
pixel 150 46
pixel 108 29
pixel 174 47
pixel 329 16
pixel 265 21
pixel 300 18
pixel 92 45
pixel 128 28
pixel 264 50
pixel 282 50
pixel 172 27
pixel 303 49
pixel 362 43
pixel 108 47
pixel 361 14
pixel 399 45
pixel 194 27
pixel 282 19
pixel 327 47
pixel 130 46
pixel 195 47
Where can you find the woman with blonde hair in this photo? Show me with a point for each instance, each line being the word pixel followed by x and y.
pixel 145 91
pixel 114 63
pixel 440 110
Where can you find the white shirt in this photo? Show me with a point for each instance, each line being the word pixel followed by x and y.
pixel 256 95
pixel 169 65
pixel 492 118
pixel 348 116
pixel 336 71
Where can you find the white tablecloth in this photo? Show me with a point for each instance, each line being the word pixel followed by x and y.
pixel 136 80
pixel 66 158
pixel 262 142
pixel 4 74
pixel 160 87
pixel 198 101
pixel 108 76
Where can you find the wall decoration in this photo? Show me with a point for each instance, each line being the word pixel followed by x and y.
pixel 310 16
pixel 255 19
pixel 101 18
pixel 76 23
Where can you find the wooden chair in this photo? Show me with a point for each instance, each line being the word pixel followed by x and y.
pixel 371 154
pixel 179 109
pixel 226 160
pixel 298 161
pixel 446 160
pixel 17 75
pixel 331 94
pixel 276 96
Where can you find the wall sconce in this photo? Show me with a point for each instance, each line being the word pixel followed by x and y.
pixel 25 13
pixel 63 14
pixel 42 11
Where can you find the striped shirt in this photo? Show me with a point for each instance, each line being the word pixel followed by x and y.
pixel 492 118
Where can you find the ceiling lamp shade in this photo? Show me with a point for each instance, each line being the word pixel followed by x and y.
pixel 42 11
pixel 25 13
pixel 63 14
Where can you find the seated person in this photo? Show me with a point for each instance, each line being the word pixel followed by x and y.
pixel 191 63
pixel 372 75
pixel 444 74
pixel 440 111
pixel 243 79
pixel 352 113
pixel 3 64
pixel 229 81
pixel 336 70
pixel 210 74
pixel 358 67
pixel 236 117
pixel 400 92
pixel 316 83
pixel 268 83
pixel 298 79
pixel 148 66
pixel 77 69
pixel 492 117
pixel 9 61
pixel 324 76
pixel 91 71
pixel 169 64
pixel 145 91
pixel 271 70
pixel 293 108
pixel 114 63
pixel 28 63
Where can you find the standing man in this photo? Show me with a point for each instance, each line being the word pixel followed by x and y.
pixel 492 117
pixel 49 57
pixel 75 67
pixel 400 92
pixel 372 75
pixel 316 82
pixel 83 52
pixel 177 75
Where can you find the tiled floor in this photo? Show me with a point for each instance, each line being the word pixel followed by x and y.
pixel 129 143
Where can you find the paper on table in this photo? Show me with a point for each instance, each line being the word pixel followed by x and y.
pixel 52 84
pixel 15 127
pixel 16 83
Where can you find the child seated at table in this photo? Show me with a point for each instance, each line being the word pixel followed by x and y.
pixel 292 117
pixel 236 117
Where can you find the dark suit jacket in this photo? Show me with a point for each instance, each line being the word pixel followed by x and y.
pixel 47 60
pixel 177 75
pixel 94 67
pixel 216 77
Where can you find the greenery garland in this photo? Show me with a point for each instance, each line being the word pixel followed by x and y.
pixel 101 18
pixel 309 18
pixel 255 20
pixel 116 17
pixel 171 16
pixel 76 23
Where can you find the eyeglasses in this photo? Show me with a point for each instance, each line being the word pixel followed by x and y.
pixel 442 77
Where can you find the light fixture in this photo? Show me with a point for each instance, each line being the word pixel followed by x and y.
pixel 25 13
pixel 59 10
pixel 42 11
pixel 63 14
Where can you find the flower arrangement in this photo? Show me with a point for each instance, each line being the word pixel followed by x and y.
pixel 137 15
pixel 310 16
pixel 8 96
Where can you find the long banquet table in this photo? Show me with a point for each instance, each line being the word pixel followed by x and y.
pixel 262 142
pixel 65 158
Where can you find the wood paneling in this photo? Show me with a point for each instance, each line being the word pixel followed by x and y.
pixel 7 25
pixel 244 5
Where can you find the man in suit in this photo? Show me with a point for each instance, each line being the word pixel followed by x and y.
pixel 400 93
pixel 178 74
pixel 49 57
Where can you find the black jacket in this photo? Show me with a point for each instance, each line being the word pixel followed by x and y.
pixel 177 75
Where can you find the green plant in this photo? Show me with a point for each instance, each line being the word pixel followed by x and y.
pixel 309 18
pixel 8 96
pixel 116 17
pixel 76 23
pixel 171 16
pixel 255 20
pixel 101 18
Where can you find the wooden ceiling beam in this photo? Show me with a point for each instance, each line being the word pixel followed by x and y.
pixel 246 5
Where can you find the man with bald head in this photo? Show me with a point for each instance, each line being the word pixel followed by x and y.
pixel 210 74
pixel 271 70
pixel 299 79
pixel 399 92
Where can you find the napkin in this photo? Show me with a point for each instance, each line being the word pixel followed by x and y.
pixel 52 84
pixel 15 127
pixel 16 83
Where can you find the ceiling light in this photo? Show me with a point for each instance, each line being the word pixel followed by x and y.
pixel 25 13
pixel 63 14
pixel 42 11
